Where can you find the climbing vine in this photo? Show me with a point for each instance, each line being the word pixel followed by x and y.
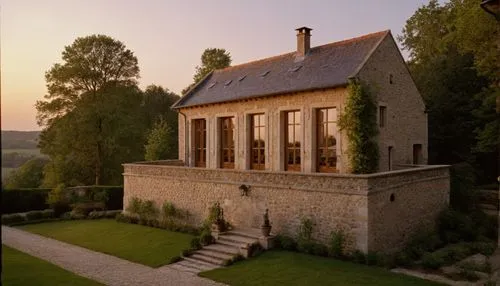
pixel 359 120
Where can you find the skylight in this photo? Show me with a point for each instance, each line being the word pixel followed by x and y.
pixel 228 82
pixel 294 69
pixel 242 77
pixel 265 73
pixel 212 84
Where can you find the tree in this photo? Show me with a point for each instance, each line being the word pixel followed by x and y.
pixel 161 143
pixel 29 175
pixel 89 113
pixel 211 59
pixel 157 104
pixel 452 65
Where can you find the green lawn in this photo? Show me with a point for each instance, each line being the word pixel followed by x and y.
pixel 146 245
pixel 19 268
pixel 290 268
pixel 35 152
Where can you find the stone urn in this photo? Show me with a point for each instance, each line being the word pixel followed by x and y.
pixel 266 226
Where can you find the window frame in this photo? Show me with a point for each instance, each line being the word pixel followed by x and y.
pixel 294 167
pixel 224 137
pixel 261 162
pixel 200 142
pixel 320 138
pixel 382 116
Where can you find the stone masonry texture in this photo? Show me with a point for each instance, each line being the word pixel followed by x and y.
pixel 360 205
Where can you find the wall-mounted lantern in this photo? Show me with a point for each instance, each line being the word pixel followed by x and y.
pixel 492 7
pixel 244 190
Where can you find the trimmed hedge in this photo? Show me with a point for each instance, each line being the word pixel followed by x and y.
pixel 24 200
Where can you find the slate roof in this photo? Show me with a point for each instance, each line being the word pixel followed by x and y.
pixel 324 66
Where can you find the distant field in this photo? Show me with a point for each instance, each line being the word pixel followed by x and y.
pixel 35 152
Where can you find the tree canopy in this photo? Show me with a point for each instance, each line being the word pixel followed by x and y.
pixel 456 68
pixel 91 115
pixel 211 59
pixel 29 175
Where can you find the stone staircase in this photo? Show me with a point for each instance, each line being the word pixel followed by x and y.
pixel 228 245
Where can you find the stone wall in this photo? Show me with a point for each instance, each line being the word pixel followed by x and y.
pixel 355 203
pixel 406 121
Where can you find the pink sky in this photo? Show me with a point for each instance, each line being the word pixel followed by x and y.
pixel 168 37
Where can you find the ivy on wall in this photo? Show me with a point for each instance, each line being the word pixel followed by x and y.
pixel 359 120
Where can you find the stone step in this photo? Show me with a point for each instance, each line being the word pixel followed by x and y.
pixel 207 259
pixel 254 234
pixel 214 254
pixel 229 250
pixel 239 239
pixel 201 262
pixel 230 243
pixel 196 266
pixel 184 268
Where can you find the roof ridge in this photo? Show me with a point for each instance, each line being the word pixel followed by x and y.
pixel 345 41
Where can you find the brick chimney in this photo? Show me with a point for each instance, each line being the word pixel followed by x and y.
pixel 303 40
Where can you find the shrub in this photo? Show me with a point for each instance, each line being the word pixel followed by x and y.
pixel 169 210
pixel 34 215
pixel 57 201
pixel 305 229
pixel 463 196
pixel 286 243
pixel 319 249
pixel 206 238
pixel 86 207
pixel 337 244
pixel 403 259
pixel 148 209
pixel 227 262
pixel 12 218
pixel 195 243
pixel 24 200
pixel 254 249
pixel 422 243
pixel 358 256
pixel 187 252
pixel 485 248
pixel 238 257
pixel 305 246
pixel 175 259
pixel 372 258
pixel 112 214
pixel 433 260
pixel 97 214
pixel 134 205
pixel 48 213
pixel 469 275
pixel 455 226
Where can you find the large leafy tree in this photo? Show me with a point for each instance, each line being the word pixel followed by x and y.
pixel 157 104
pixel 29 175
pixel 161 142
pixel 211 59
pixel 89 114
pixel 453 66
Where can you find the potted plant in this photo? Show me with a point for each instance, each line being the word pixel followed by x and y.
pixel 266 226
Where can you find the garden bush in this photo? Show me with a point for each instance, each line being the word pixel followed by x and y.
pixel 34 215
pixel 206 238
pixel 47 213
pixel 24 200
pixel 12 218
pixel 337 242
pixel 286 243
pixel 84 208
pixel 195 243
pixel 433 260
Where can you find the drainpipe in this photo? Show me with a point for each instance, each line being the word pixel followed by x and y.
pixel 186 163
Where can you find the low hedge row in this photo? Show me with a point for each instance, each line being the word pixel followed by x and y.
pixel 163 224
pixel 25 200
pixel 15 219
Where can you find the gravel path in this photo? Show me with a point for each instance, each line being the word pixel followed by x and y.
pixel 100 267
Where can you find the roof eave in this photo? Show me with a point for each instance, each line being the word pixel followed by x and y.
pixel 189 92
pixel 344 84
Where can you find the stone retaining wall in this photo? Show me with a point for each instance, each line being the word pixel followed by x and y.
pixel 356 203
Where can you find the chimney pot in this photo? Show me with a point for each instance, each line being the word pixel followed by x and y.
pixel 303 40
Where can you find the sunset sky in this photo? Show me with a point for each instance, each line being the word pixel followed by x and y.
pixel 168 37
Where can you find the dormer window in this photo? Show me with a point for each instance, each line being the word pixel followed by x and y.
pixel 265 73
pixel 212 84
pixel 228 82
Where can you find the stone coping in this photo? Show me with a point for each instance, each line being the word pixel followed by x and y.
pixel 176 164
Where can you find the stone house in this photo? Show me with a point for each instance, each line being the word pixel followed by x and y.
pixel 271 124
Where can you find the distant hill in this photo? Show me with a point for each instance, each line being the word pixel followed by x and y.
pixel 20 139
